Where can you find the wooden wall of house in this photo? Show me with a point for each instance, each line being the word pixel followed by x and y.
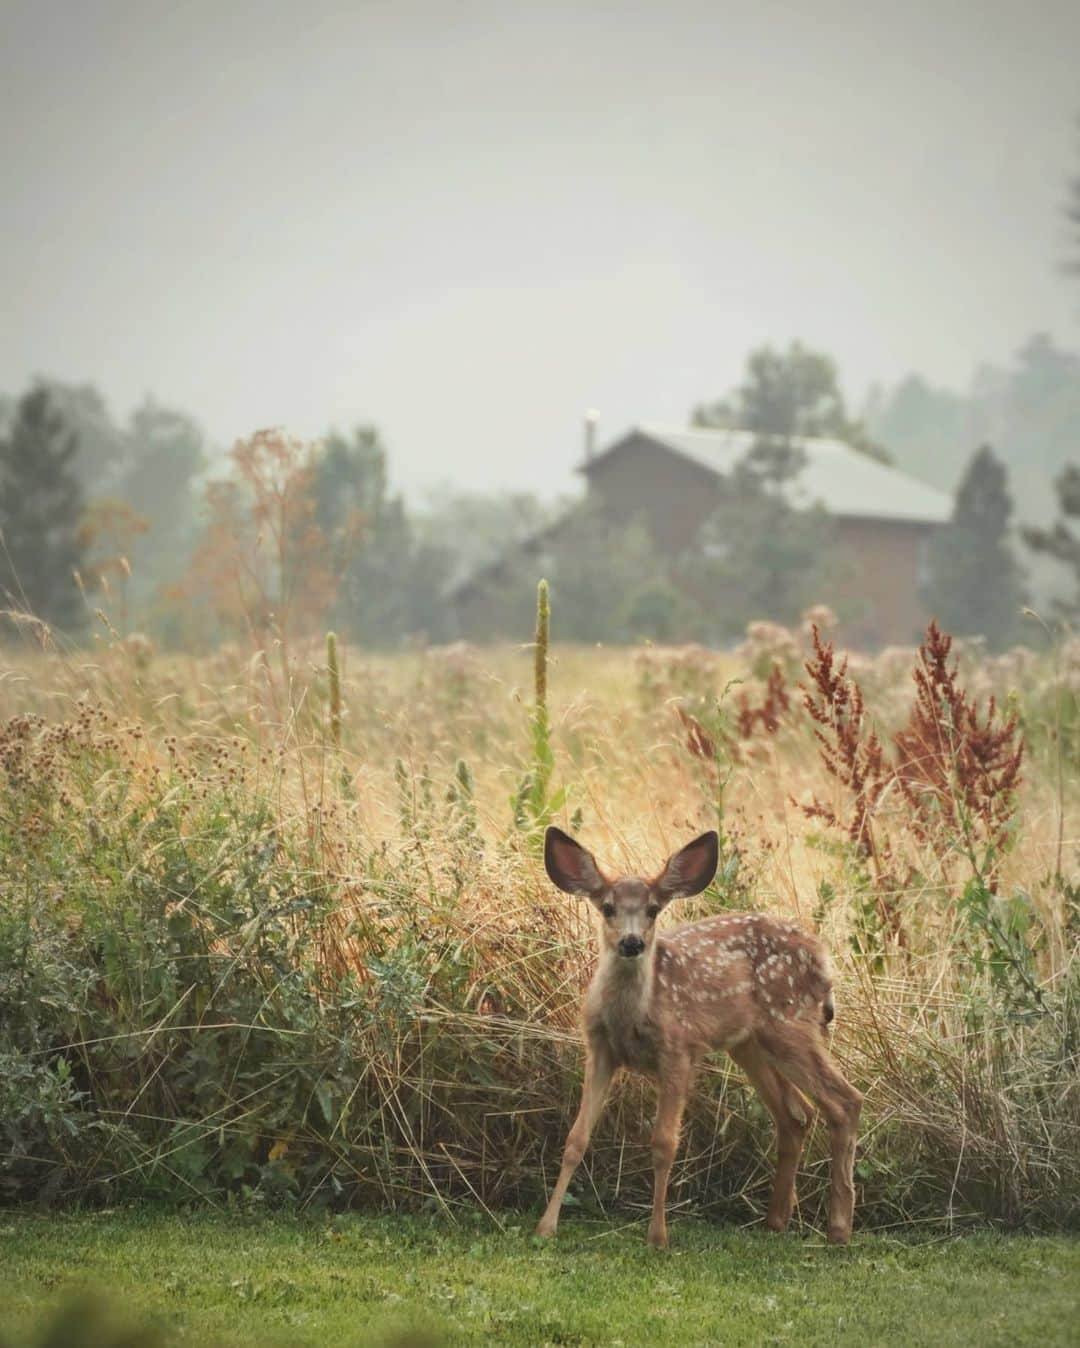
pixel 673 495
pixel 879 598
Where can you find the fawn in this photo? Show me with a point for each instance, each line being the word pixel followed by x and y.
pixel 759 988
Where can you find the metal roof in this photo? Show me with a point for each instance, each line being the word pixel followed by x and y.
pixel 844 480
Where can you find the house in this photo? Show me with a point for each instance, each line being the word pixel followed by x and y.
pixel 672 478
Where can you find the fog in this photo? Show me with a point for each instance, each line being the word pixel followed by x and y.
pixel 407 246
pixel 469 223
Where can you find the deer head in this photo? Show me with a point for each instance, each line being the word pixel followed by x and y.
pixel 629 906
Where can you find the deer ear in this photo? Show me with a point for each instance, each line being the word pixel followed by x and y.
pixel 570 866
pixel 689 871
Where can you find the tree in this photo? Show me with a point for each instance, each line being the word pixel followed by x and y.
pixel 975 583
pixel 103 446
pixel 608 583
pixel 1059 542
pixel 924 428
pixel 40 509
pixel 1028 410
pixel 108 534
pixel 391 584
pixel 787 395
pixel 368 533
pixel 263 565
pixel 757 556
pixel 475 529
pixel 165 457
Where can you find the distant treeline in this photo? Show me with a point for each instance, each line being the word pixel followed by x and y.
pixel 1029 411
pixel 131 520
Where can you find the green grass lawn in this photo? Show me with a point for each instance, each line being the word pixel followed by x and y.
pixel 372 1280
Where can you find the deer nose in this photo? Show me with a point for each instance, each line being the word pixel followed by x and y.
pixel 631 945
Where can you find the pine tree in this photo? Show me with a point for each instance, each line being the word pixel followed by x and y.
pixel 369 534
pixel 976 584
pixel 41 506
pixel 1061 542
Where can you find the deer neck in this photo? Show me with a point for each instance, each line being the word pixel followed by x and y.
pixel 623 987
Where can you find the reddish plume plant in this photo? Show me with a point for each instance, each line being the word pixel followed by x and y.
pixel 958 771
pixel 849 745
pixel 700 742
pixel 777 701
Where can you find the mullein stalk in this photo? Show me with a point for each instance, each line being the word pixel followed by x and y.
pixel 335 689
pixel 543 759
pixel 540 655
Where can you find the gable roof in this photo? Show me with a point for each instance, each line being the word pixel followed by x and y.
pixel 847 482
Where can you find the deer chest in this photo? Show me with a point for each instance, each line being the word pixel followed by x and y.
pixel 636 1047
pixel 631 1037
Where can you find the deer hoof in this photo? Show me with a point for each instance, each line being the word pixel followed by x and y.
pixel 657 1239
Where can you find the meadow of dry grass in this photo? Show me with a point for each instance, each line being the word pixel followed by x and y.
pixel 248 963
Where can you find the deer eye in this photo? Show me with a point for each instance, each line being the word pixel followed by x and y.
pixel 653 911
pixel 608 910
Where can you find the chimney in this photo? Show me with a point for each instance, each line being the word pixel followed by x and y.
pixel 591 418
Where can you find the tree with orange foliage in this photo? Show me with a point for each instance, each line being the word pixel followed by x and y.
pixel 108 533
pixel 263 565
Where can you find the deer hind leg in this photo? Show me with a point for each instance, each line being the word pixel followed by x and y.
pixel 793 1113
pixel 674 1088
pixel 797 1051
pixel 598 1073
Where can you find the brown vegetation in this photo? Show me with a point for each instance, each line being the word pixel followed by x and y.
pixel 367 991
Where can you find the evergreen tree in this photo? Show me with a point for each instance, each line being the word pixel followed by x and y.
pixel 165 458
pixel 757 556
pixel 389 586
pixel 40 510
pixel 1060 542
pixel 975 583
pixel 103 445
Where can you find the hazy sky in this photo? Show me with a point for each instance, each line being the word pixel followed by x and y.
pixel 470 222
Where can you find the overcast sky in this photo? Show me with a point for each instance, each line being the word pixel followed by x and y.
pixel 468 223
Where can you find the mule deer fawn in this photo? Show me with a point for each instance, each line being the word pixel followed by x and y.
pixel 658 1002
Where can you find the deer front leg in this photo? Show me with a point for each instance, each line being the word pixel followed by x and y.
pixel 598 1073
pixel 674 1087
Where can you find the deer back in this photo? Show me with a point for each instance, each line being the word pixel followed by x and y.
pixel 718 980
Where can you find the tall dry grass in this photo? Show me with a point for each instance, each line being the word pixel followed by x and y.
pixel 286 942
